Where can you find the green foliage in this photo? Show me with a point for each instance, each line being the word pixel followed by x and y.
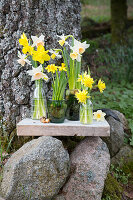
pixel 118 97
pixel 119 174
pixel 112 190
pixel 118 61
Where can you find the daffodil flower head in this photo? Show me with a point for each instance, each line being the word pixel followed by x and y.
pixel 99 115
pixel 37 41
pixel 51 68
pixel 28 49
pixel 80 78
pixel 82 96
pixel 81 47
pixel 101 85
pixel 88 81
pixel 22 59
pixel 55 54
pixel 37 73
pixel 62 68
pixel 41 55
pixel 23 40
pixel 62 40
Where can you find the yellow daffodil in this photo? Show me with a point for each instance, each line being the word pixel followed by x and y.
pixel 82 96
pixel 23 40
pixel 101 85
pixel 99 115
pixel 80 78
pixel 28 49
pixel 41 55
pixel 37 41
pixel 88 81
pixel 51 68
pixel 37 73
pixel 62 68
pixel 22 59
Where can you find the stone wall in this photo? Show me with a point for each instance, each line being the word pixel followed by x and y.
pixel 49 17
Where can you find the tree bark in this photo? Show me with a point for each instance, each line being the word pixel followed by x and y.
pixel 34 17
pixel 118 21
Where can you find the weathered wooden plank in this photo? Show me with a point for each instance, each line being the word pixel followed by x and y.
pixel 29 127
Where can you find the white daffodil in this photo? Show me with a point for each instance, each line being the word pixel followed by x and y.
pixel 81 47
pixel 55 54
pixel 37 73
pixel 99 115
pixel 75 55
pixel 62 40
pixel 22 59
pixel 37 41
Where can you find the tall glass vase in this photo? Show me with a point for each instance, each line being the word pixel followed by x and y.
pixel 72 112
pixel 86 112
pixel 39 105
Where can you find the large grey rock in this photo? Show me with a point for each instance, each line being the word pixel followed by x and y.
pixel 124 155
pixel 90 163
pixel 39 169
pixel 116 139
pixel 50 18
pixel 122 119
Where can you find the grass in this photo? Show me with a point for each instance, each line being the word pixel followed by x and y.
pixel 99 10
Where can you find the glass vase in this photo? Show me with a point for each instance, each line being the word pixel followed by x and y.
pixel 39 105
pixel 86 112
pixel 73 106
pixel 56 110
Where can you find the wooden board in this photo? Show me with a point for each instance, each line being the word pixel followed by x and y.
pixel 29 127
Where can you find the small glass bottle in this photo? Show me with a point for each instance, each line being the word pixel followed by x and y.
pixel 86 112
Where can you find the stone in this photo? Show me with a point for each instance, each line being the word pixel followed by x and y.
pixel 90 163
pixel 50 18
pixel 117 135
pixel 36 171
pixel 125 154
pixel 122 118
pixel 29 127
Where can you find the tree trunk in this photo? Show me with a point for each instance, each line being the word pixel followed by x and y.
pixel 118 21
pixel 49 17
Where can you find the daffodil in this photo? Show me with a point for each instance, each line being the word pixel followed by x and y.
pixel 99 115
pixel 22 59
pixel 37 73
pixel 62 68
pixel 81 47
pixel 23 40
pixel 82 96
pixel 55 54
pixel 51 68
pixel 28 49
pixel 62 40
pixel 40 55
pixel 37 41
pixel 75 55
pixel 80 78
pixel 101 85
pixel 88 81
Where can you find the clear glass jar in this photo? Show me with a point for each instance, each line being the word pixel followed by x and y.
pixel 56 110
pixel 39 104
pixel 86 112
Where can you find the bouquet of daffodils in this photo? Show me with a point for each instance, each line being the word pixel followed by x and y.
pixel 59 80
pixel 35 54
pixel 72 58
pixel 87 84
